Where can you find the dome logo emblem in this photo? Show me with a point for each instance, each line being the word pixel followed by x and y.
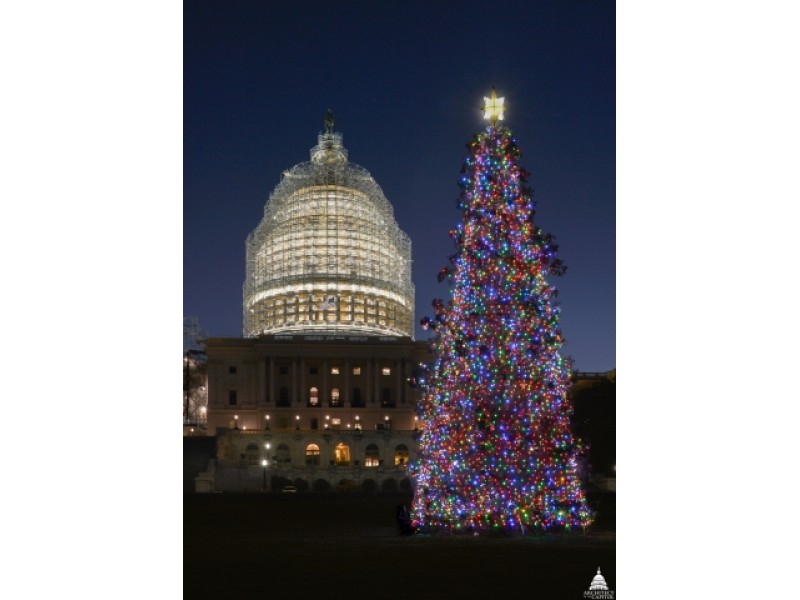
pixel 598 589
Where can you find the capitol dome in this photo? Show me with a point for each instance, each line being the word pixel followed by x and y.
pixel 599 582
pixel 328 255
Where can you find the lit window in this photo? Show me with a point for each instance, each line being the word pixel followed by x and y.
pixel 313 396
pixel 386 371
pixel 334 370
pixel 371 458
pixel 341 455
pixel 312 454
pixel 335 397
pixel 401 455
pixel 356 370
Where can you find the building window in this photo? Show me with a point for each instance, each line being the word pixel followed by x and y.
pixel 252 454
pixel 232 370
pixel 341 455
pixel 313 370
pixel 335 397
pixel 386 371
pixel 231 397
pixel 386 397
pixel 401 455
pixel 282 454
pixel 356 370
pixel 283 397
pixel 313 397
pixel 371 456
pixel 356 400
pixel 334 370
pixel 336 423
pixel 312 454
pixel 314 423
pixel 283 370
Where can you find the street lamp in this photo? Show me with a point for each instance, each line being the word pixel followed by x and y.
pixel 264 481
pixel 266 418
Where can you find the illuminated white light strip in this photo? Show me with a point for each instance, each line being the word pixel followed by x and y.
pixel 338 329
pixel 310 287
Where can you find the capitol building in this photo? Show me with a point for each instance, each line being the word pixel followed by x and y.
pixel 319 393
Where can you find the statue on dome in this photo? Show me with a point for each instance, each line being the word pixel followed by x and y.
pixel 329 121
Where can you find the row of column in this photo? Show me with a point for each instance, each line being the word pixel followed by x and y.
pixel 299 392
pixel 394 317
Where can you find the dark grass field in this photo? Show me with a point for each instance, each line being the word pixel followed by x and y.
pixel 346 546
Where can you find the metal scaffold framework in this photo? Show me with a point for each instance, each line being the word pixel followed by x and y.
pixel 195 392
pixel 192 334
pixel 328 256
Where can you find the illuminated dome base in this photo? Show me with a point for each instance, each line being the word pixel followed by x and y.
pixel 345 308
pixel 328 255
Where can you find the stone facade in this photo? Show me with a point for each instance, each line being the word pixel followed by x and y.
pixel 338 412
pixel 317 461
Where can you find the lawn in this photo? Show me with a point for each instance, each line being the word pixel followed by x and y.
pixel 346 545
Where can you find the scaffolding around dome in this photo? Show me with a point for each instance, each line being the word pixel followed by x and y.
pixel 328 255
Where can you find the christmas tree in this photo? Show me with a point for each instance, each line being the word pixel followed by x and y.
pixel 496 449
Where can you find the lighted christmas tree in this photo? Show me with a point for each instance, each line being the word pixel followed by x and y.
pixel 496 447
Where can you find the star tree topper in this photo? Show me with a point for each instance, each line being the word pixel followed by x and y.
pixel 493 108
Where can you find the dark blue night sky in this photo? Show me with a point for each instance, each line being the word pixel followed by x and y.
pixel 406 82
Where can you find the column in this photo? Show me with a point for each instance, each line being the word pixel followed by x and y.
pixel 303 391
pixel 257 383
pixel 346 391
pixel 271 397
pixel 325 393
pixel 399 396
pixel 352 307
pixel 376 380
pixel 366 383
pixel 263 380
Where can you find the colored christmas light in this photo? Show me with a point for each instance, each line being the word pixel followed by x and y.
pixel 496 447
